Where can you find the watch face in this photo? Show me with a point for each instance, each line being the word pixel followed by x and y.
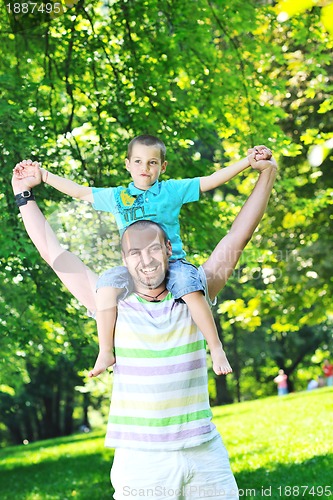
pixel 23 198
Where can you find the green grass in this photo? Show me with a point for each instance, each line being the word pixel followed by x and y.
pixel 76 467
pixel 278 442
pixel 273 443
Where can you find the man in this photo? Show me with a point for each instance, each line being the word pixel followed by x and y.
pixel 160 420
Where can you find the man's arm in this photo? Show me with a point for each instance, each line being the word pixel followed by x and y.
pixel 224 258
pixel 28 168
pixel 75 275
pixel 224 175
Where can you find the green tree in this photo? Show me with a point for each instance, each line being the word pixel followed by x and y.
pixel 211 78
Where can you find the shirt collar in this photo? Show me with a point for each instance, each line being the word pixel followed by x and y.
pixel 134 191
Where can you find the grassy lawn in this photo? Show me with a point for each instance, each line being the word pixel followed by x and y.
pixel 281 442
pixel 76 467
pixel 276 445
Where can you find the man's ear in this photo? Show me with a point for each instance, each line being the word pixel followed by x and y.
pixel 163 167
pixel 169 248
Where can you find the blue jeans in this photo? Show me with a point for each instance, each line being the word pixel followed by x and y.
pixel 182 278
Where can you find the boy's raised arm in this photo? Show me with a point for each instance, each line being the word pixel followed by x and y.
pixel 224 175
pixel 74 274
pixel 67 186
pixel 225 256
pixel 28 168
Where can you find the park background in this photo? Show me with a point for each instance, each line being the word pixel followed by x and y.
pixel 211 78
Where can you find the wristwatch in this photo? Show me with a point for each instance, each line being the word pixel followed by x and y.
pixel 23 198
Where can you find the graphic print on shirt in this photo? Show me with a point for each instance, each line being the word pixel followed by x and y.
pixel 126 199
pixel 131 208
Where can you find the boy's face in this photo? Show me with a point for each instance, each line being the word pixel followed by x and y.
pixel 145 165
pixel 146 254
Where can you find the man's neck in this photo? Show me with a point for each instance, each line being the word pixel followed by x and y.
pixel 152 294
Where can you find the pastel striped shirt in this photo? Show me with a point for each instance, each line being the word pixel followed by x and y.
pixel 160 392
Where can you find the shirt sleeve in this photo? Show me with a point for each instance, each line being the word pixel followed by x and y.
pixel 103 199
pixel 187 190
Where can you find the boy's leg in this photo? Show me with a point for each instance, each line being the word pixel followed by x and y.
pixel 106 315
pixel 186 281
pixel 202 316
pixel 113 285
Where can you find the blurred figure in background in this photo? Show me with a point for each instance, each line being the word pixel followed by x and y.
pixel 328 372
pixel 282 383
pixel 312 384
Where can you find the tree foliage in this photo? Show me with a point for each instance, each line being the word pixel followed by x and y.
pixel 211 78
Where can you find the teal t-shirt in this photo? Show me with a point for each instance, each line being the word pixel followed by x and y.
pixel 161 203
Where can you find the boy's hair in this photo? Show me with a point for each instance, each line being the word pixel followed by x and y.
pixel 143 224
pixel 147 140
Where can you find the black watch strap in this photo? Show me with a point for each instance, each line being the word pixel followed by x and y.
pixel 23 198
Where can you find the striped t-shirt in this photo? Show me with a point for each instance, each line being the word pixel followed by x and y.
pixel 160 392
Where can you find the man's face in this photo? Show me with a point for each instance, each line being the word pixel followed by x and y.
pixel 145 255
pixel 145 165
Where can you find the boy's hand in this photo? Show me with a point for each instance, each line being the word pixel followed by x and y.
pixel 28 168
pixel 260 153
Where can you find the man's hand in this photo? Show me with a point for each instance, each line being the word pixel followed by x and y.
pixel 260 158
pixel 260 153
pixel 26 175
pixel 28 168
pixel 262 165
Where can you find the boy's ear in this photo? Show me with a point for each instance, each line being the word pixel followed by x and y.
pixel 163 167
pixel 127 164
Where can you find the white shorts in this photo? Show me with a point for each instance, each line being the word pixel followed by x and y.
pixel 201 472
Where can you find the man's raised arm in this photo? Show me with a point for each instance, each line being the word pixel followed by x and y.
pixel 225 256
pixel 75 275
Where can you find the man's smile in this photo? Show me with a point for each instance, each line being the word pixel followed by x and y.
pixel 149 270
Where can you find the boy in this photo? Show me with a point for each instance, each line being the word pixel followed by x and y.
pixel 148 198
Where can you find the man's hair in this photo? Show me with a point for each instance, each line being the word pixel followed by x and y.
pixel 143 224
pixel 147 140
